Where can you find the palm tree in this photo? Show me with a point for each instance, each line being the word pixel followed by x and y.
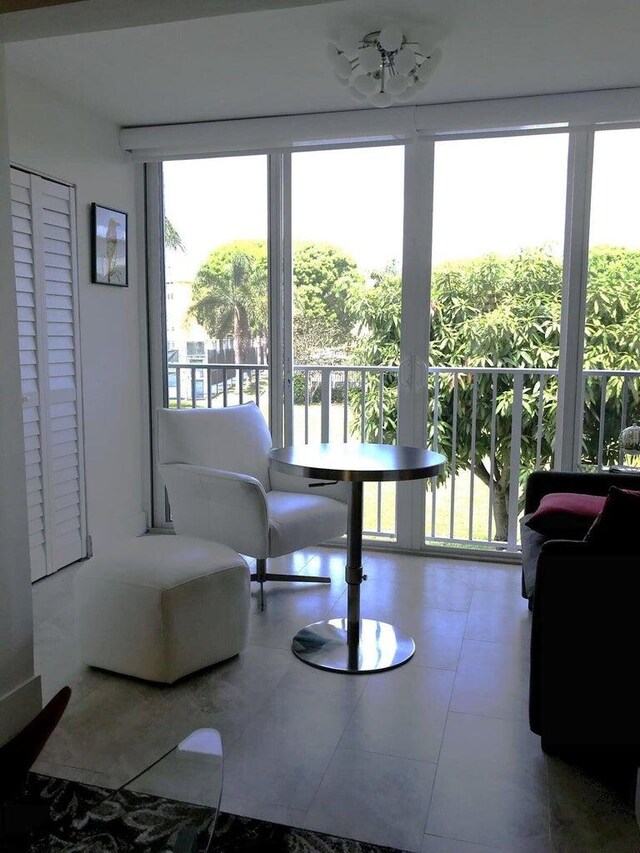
pixel 230 295
pixel 172 240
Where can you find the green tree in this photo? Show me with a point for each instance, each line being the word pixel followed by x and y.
pixel 505 312
pixel 230 295
pixel 326 286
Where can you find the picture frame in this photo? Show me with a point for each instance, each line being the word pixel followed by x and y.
pixel 109 246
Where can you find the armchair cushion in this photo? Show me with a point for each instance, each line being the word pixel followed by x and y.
pixel 296 520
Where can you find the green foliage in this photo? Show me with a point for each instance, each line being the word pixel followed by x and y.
pixel 230 296
pixel 380 314
pixel 172 240
pixel 505 313
pixel 326 288
pixel 611 342
pixel 310 393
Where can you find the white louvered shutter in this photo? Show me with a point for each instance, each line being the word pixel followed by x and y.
pixel 46 284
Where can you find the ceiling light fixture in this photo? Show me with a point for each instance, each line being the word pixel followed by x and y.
pixel 382 66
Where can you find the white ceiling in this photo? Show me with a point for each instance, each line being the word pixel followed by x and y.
pixel 274 62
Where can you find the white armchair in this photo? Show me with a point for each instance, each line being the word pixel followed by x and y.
pixel 214 463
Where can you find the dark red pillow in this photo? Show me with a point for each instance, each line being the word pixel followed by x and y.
pixel 615 530
pixel 566 514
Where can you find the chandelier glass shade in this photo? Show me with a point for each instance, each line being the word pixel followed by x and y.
pixel 383 66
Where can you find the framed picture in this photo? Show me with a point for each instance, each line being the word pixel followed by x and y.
pixel 109 246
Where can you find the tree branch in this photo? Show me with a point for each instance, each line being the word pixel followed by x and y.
pixel 482 473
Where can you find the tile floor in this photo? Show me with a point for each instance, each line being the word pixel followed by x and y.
pixel 433 757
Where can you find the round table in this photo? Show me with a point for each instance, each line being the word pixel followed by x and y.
pixel 354 644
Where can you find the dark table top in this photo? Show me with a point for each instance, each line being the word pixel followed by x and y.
pixel 357 462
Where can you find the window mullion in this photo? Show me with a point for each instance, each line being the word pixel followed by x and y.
pixel 280 329
pixel 574 296
pixel 416 283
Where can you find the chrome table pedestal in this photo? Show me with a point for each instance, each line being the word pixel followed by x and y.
pixel 355 645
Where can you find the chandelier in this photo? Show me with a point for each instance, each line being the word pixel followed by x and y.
pixel 382 66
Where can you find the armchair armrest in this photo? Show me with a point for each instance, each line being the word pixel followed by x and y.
pixel 222 506
pixel 541 483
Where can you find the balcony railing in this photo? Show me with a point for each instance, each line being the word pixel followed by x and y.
pixel 500 419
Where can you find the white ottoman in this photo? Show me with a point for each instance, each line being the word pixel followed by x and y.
pixel 160 607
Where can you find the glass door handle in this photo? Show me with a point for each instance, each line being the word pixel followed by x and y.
pixel 405 373
pixel 413 373
pixel 420 374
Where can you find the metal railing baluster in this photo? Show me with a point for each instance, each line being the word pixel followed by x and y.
pixel 603 422
pixel 454 448
pixel 361 379
pixel 472 475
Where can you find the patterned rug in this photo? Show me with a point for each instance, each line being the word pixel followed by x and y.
pixel 86 818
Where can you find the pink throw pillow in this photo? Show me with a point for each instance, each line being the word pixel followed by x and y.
pixel 566 513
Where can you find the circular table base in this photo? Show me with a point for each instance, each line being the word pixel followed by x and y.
pixel 381 646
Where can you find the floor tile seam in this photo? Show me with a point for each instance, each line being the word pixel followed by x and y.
pixel 488 847
pixel 333 754
pixel 382 755
pixel 72 767
pixel 494 642
pixel 521 722
pixel 103 782
pixel 386 755
pixel 522 719
pixel 430 666
pixel 311 692
pixel 255 711
pixel 453 685
pixel 320 781
pixel 512 572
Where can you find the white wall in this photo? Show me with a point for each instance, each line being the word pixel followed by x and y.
pixel 64 141
pixel 19 690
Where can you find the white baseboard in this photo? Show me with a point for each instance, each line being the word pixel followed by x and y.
pixel 19 707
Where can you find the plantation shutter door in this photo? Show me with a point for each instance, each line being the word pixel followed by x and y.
pixel 46 282
pixel 21 209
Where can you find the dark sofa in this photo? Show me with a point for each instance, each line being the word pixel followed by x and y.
pixel 585 633
pixel 541 483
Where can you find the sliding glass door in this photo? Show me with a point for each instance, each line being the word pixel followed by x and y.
pixel 347 227
pixel 611 361
pixel 496 292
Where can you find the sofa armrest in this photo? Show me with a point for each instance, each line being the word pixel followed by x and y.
pixel 585 647
pixel 541 483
